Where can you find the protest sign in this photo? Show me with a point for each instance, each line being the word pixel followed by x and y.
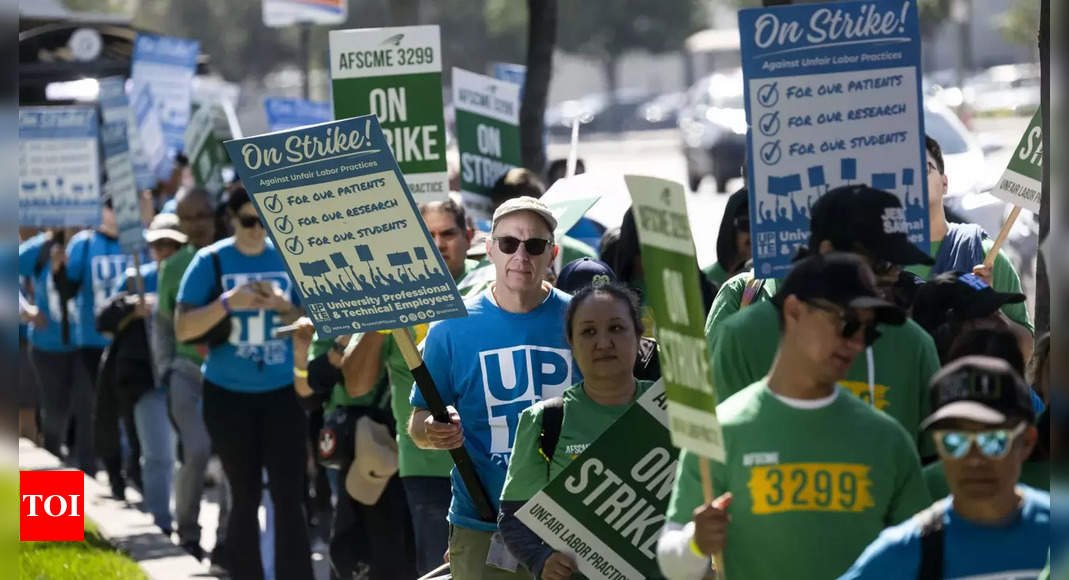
pixel 283 113
pixel 336 206
pixel 207 156
pixel 607 508
pixel 833 97
pixel 488 134
pixel 115 106
pixel 59 167
pixel 674 295
pixel 396 73
pixel 513 73
pixel 277 13
pixel 120 186
pixel 1023 179
pixel 151 147
pixel 166 65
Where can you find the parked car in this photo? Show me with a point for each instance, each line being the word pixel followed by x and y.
pixel 713 126
pixel 662 112
pixel 1009 89
pixel 598 114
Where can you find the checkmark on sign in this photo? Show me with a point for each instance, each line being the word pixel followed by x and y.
pixel 284 225
pixel 294 246
pixel 769 124
pixel 768 95
pixel 770 153
pixel 273 204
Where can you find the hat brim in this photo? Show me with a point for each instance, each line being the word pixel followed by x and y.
pixel 969 410
pixel 987 303
pixel 152 236
pixel 551 220
pixel 901 252
pixel 886 313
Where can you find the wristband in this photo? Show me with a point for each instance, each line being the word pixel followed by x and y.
pixel 695 549
pixel 300 373
pixel 385 331
pixel 226 305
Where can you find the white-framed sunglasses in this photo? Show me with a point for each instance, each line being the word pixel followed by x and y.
pixel 993 444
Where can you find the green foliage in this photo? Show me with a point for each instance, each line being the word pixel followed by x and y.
pixel 1020 24
pixel 92 559
pixel 605 30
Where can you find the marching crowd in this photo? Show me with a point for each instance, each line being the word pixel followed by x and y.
pixel 885 410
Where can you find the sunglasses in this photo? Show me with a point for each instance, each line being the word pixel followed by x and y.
pixel 248 221
pixel 850 323
pixel 993 444
pixel 533 246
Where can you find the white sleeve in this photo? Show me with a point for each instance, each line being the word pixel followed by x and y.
pixel 674 556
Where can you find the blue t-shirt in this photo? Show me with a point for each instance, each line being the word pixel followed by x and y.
pixel 1017 550
pixel 45 295
pixel 96 262
pixel 252 361
pixel 149 277
pixel 491 365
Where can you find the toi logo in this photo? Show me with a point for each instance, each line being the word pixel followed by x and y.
pixel 51 506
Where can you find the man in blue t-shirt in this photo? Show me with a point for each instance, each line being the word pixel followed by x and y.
pixel 507 354
pixel 990 526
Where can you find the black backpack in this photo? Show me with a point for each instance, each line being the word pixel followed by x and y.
pixel 931 526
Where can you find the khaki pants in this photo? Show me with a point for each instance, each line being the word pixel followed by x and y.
pixel 467 557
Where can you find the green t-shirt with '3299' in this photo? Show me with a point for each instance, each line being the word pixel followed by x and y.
pixel 811 487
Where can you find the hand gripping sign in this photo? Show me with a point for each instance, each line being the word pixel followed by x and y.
pixel 339 211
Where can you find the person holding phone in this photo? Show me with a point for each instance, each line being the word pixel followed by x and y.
pixel 251 409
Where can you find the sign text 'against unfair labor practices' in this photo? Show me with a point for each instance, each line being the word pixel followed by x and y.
pixel 674 296
pixel 396 74
pixel 121 187
pixel 607 508
pixel 204 146
pixel 278 13
pixel 285 113
pixel 337 208
pixel 488 134
pixel 167 65
pixel 59 167
pixel 1023 178
pixel 833 97
pixel 115 106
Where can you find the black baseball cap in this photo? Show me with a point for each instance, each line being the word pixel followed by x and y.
pixel 578 274
pixel 979 388
pixel 871 217
pixel 841 278
pixel 958 296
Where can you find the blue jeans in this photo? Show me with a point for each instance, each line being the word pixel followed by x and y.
pixel 156 435
pixel 428 502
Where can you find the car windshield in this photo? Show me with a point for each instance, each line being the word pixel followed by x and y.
pixel 949 137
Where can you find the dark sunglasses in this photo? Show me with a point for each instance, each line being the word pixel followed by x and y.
pixel 534 246
pixel 850 323
pixel 993 444
pixel 248 221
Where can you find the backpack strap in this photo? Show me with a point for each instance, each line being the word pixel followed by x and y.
pixel 218 273
pixel 930 522
pixel 552 419
pixel 42 257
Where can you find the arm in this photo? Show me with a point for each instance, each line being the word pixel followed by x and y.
pixel 361 365
pixel 424 430
pixel 191 322
pixel 521 541
pixel 302 342
pixel 674 554
pixel 893 554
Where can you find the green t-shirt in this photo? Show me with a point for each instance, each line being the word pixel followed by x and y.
pixel 1033 474
pixel 1004 278
pixel 169 277
pixel 728 301
pixel 413 461
pixel 716 274
pixel 584 421
pixel 904 358
pixel 811 487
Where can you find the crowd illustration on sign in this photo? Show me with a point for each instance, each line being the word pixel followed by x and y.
pixel 339 274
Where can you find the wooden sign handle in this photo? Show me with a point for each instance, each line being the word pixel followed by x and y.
pixel 709 493
pixel 989 259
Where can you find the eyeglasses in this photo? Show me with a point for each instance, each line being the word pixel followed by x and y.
pixel 248 221
pixel 993 444
pixel 849 323
pixel 534 246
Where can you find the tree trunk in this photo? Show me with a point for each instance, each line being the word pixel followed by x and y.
pixel 1042 316
pixel 404 12
pixel 541 41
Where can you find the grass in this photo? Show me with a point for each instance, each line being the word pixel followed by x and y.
pixel 91 559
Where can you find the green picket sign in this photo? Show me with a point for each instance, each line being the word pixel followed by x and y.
pixel 674 297
pixel 488 134
pixel 396 74
pixel 1020 184
pixel 204 145
pixel 607 507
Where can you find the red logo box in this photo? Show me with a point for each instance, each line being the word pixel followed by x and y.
pixel 51 506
